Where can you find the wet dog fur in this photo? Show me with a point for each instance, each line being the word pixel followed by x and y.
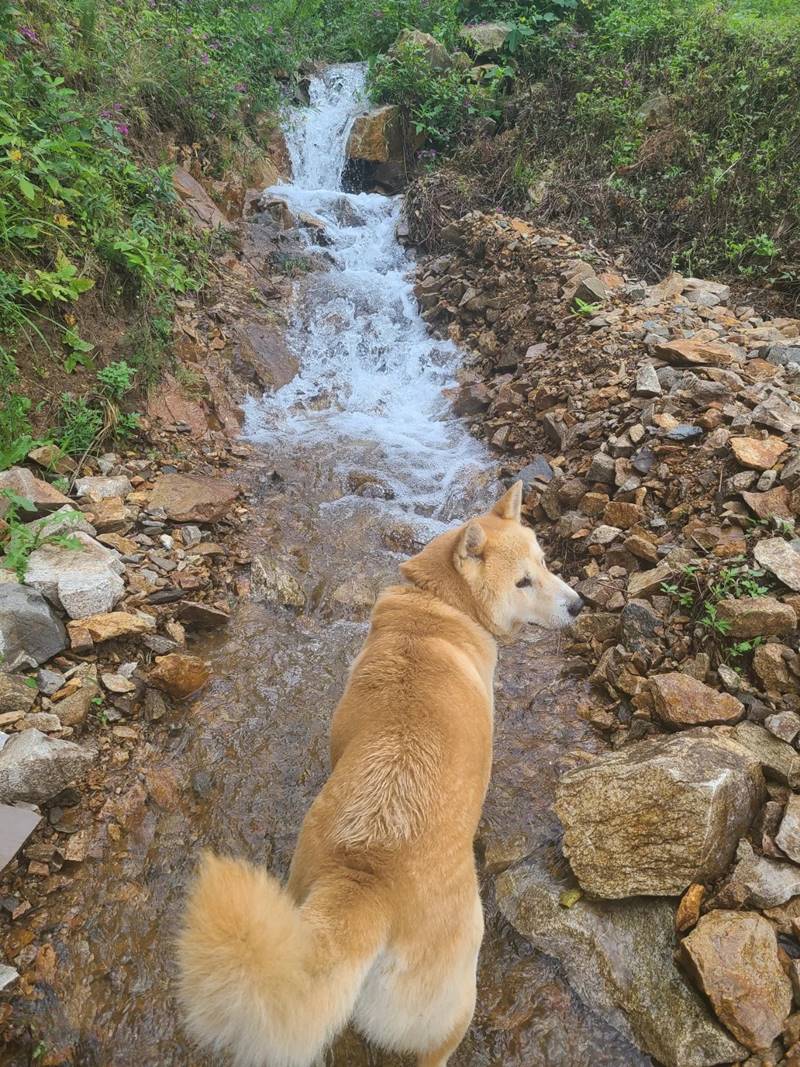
pixel 380 922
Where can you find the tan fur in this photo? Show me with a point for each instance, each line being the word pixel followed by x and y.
pixel 380 922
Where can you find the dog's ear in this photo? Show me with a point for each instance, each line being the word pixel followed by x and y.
pixel 509 506
pixel 472 542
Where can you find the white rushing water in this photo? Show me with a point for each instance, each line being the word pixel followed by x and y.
pixel 371 377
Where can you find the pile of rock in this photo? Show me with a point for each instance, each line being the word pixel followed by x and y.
pixel 657 431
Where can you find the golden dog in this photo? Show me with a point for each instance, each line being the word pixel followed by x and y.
pixel 381 922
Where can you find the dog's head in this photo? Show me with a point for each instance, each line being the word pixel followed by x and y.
pixel 505 569
pixel 500 562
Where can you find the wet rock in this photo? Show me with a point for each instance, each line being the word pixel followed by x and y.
pixel 114 624
pixel 658 815
pixel 757 454
pixel 193 498
pixel 788 837
pixel 15 695
pixel 734 960
pixel 202 616
pixel 28 626
pixel 781 558
pixel 538 470
pixel 263 351
pixel 757 882
pixel 618 959
pixel 377 137
pixel 681 701
pixel 103 488
pixel 44 497
pixel 757 616
pixel 273 582
pixel 34 768
pixel 179 675
pixel 778 760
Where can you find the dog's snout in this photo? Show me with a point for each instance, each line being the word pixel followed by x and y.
pixel 575 606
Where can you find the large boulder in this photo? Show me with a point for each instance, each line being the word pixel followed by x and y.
pixel 658 815
pixel 435 53
pixel 618 957
pixel 33 767
pixel 83 580
pixel 733 957
pixel 28 626
pixel 377 136
pixel 757 616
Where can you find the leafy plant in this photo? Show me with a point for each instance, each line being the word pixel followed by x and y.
pixel 116 379
pixel 711 621
pixel 585 309
pixel 23 538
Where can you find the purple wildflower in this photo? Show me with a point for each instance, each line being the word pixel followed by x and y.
pixel 122 128
pixel 240 87
pixel 205 59
pixel 31 34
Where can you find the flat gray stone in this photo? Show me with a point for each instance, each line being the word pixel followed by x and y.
pixel 28 626
pixel 33 767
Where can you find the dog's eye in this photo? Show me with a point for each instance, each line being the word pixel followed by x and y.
pixel 523 583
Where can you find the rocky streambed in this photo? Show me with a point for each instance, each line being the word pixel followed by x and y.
pixel 168 686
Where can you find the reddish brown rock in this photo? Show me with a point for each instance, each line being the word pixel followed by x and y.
pixel 193 498
pixel 756 616
pixel 44 497
pixel 689 908
pixel 775 502
pixel 733 957
pixel 377 136
pixel 682 701
pixel 757 454
pixel 691 352
pixel 203 211
pixel 179 675
pixel 113 624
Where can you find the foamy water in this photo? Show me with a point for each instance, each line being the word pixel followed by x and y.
pixel 371 378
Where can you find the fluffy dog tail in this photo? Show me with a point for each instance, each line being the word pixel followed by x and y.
pixel 264 981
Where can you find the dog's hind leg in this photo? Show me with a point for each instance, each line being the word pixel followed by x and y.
pixel 438 1057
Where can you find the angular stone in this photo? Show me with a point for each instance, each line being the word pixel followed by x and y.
pixel 647 383
pixel 51 458
pixel 73 709
pixel 733 957
pixel 788 837
pixel 618 957
pixel 113 624
pixel 781 558
pixel 28 626
pixel 645 583
pixel 778 760
pixel 192 498
pixel 103 488
pixel 590 290
pixel 33 767
pixel 758 455
pixel 602 469
pixel 179 675
pixel 202 210
pixel 622 514
pixel 689 353
pixel 770 664
pixel 603 535
pixel 485 38
pixel 689 908
pixel 658 815
pixel 203 616
pixel 757 882
pixel 681 701
pixel 774 503
pixel 15 695
pixel 784 724
pixel 756 616
pixel 44 497
pixel 77 571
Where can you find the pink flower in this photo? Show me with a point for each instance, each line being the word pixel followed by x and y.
pixel 122 128
pixel 30 34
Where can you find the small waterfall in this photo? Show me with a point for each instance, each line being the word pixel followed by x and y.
pixel 371 381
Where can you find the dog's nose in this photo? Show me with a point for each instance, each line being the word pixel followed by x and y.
pixel 575 607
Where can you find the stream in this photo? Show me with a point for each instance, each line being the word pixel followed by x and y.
pixel 356 462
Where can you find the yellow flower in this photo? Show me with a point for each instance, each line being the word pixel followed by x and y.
pixel 70 319
pixel 62 220
pixel 15 155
